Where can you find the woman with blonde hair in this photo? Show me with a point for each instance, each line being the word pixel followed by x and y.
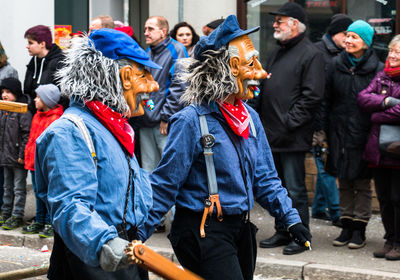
pixel 381 99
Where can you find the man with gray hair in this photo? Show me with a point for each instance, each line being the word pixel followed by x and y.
pixel 287 108
pixel 153 124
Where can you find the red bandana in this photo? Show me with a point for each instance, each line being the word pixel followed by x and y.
pixel 115 123
pixel 391 72
pixel 237 117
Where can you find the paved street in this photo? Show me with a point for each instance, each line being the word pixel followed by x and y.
pixel 339 259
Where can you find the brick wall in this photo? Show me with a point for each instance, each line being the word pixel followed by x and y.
pixel 311 179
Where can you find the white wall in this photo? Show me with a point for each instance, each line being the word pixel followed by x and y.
pixel 16 18
pixel 196 13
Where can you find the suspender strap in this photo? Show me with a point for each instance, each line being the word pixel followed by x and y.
pixel 252 127
pixel 208 141
pixel 85 133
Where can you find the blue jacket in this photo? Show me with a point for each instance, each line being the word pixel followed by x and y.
pixel 166 99
pixel 181 179
pixel 86 203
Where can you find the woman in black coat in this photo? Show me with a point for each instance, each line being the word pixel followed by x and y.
pixel 348 127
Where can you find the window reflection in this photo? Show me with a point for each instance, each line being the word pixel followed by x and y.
pixel 379 13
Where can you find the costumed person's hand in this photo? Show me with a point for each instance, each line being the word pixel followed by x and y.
pixel 163 128
pixel 21 161
pixel 112 255
pixel 300 234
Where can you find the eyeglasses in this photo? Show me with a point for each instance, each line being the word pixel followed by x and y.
pixel 278 21
pixel 396 53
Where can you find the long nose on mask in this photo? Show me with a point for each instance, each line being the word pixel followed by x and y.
pixel 151 84
pixel 259 72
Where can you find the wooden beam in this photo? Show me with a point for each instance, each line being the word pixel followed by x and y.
pixel 13 106
pixel 241 13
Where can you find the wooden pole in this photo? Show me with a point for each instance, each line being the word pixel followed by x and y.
pixel 146 258
pixel 24 273
pixel 13 106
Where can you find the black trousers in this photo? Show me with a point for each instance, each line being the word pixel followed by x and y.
pixel 64 265
pixel 212 257
pixel 291 171
pixel 387 186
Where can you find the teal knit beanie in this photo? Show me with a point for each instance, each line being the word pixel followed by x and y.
pixel 362 29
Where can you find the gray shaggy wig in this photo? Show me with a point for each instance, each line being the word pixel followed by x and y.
pixel 88 75
pixel 208 80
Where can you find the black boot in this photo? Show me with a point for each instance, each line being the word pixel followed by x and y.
pixel 280 238
pixel 346 234
pixel 358 238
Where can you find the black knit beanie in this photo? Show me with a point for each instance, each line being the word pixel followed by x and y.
pixel 13 85
pixel 339 23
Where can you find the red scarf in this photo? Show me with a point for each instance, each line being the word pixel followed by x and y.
pixel 115 123
pixel 237 117
pixel 391 72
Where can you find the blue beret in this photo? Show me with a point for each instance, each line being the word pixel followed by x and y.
pixel 221 36
pixel 115 44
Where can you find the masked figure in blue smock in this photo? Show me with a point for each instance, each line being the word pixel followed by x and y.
pixel 211 234
pixel 94 189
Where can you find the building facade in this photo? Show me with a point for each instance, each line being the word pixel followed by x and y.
pixel 381 14
pixel 19 15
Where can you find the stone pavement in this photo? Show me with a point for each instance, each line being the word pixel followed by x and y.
pixel 323 262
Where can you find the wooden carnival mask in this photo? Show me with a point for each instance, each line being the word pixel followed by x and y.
pixel 245 66
pixel 138 83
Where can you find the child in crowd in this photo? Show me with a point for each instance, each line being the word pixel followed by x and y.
pixel 14 131
pixel 47 97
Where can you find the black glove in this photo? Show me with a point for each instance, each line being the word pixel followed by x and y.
pixel 300 234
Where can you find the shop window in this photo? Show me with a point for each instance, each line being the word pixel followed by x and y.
pixel 381 14
pixel 318 12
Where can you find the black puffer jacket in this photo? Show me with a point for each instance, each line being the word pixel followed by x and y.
pixel 346 125
pixel 289 99
pixel 41 71
pixel 14 134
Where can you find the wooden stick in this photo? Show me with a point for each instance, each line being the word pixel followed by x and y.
pixel 16 107
pixel 25 272
pixel 146 258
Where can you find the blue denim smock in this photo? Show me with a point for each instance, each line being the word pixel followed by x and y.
pixel 85 202
pixel 180 178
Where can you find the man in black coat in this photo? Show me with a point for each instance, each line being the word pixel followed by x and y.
pixel 288 103
pixel 333 41
pixel 326 192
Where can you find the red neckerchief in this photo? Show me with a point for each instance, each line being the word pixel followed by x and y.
pixel 237 117
pixel 391 72
pixel 115 123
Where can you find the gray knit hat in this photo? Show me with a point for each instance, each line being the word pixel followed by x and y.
pixel 50 94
